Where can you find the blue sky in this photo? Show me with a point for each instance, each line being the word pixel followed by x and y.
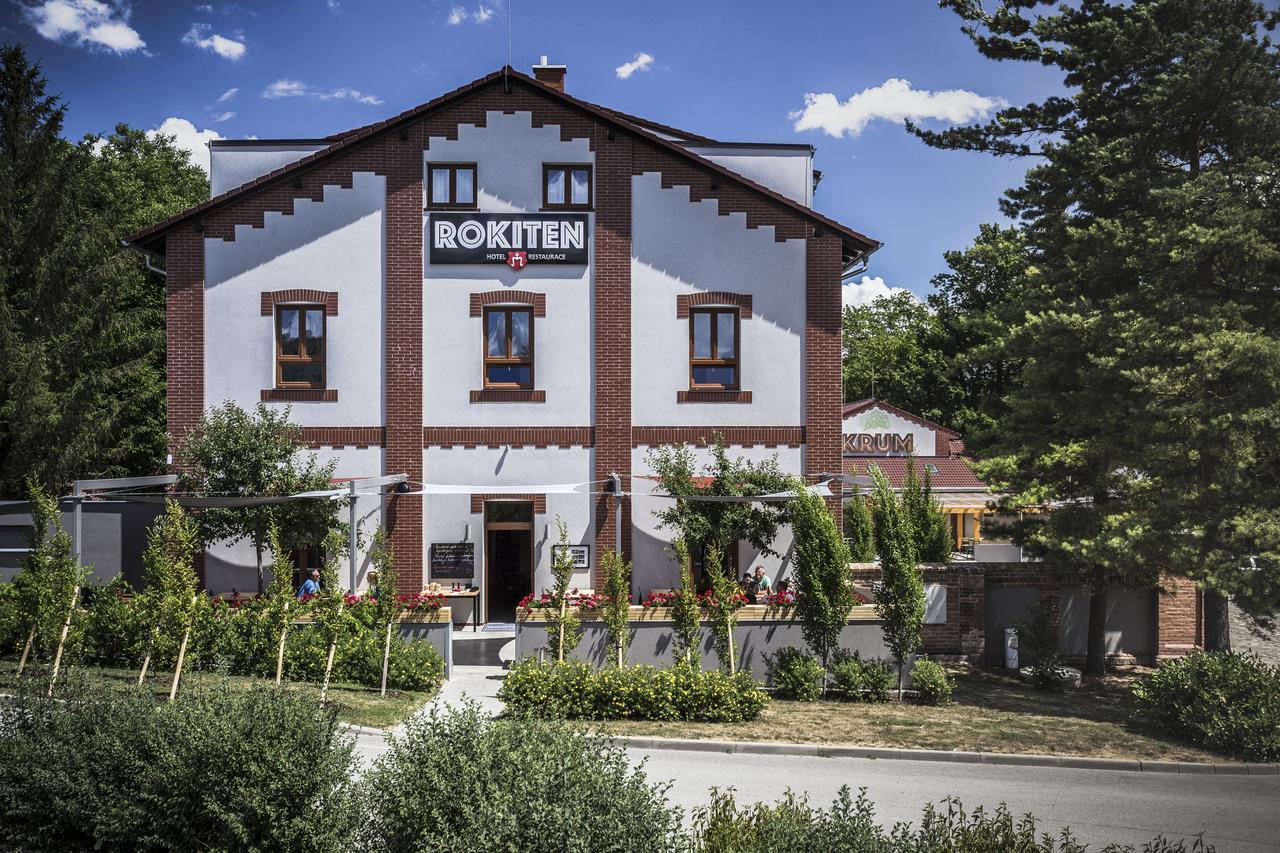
pixel 731 70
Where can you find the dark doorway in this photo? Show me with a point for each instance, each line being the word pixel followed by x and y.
pixel 508 550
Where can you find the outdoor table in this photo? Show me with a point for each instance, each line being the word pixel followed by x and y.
pixel 474 595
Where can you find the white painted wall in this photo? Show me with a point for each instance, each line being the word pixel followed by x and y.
pixel 877 421
pixel 233 165
pixel 654 567
pixel 513 470
pixel 234 566
pixel 508 153
pixel 681 247
pixel 337 245
pixel 788 171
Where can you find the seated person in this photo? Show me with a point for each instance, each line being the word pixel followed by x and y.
pixel 748 584
pixel 311 586
pixel 764 586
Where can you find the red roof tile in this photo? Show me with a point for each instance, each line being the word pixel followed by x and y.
pixel 952 471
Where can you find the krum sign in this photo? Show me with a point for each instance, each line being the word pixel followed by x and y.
pixel 514 239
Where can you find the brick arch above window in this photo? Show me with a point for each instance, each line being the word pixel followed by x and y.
pixel 685 301
pixel 327 298
pixel 509 297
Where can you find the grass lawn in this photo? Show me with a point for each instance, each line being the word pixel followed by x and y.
pixel 361 706
pixel 992 712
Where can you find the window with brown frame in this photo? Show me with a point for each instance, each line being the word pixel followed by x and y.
pixel 566 186
pixel 300 346
pixel 713 348
pixel 451 186
pixel 508 347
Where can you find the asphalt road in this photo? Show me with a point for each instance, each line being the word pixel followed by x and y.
pixel 1236 813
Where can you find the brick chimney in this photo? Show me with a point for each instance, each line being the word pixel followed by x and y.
pixel 552 75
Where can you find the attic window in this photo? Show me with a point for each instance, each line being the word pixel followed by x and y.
pixel 931 468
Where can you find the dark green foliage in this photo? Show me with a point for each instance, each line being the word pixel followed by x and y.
pixel 928 521
pixel 932 684
pixel 892 352
pixel 47 584
pixel 900 597
pixel 824 582
pixel 857 530
pixel 685 615
pixel 1038 636
pixel 213 771
pixel 1223 701
pixel 456 781
pixel 114 632
pixel 13 622
pixel 859 680
pixel 793 825
pixel 575 690
pixel 81 321
pixel 796 675
pixel 1146 323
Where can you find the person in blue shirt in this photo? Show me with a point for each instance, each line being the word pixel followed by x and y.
pixel 310 586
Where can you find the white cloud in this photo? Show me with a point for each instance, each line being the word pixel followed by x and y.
pixel 220 117
pixel 867 290
pixel 188 138
pixel 228 95
pixel 285 88
pixel 640 63
pixel 85 23
pixel 221 45
pixel 459 15
pixel 895 101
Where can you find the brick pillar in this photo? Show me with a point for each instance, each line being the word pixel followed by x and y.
pixel 612 331
pixel 823 389
pixel 184 341
pixel 403 330
pixel 971 614
pixel 1178 615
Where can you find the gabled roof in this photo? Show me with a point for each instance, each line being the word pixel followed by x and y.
pixel 152 238
pixel 860 406
pixel 952 471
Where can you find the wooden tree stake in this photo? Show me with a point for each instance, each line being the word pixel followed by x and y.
pixel 182 653
pixel 26 650
pixel 284 632
pixel 62 640
pixel 386 658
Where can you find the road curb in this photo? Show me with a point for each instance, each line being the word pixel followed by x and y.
pixel 817 750
pixel 363 730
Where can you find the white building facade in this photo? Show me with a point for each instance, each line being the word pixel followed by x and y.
pixel 510 295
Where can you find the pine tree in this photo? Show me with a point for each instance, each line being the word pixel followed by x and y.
pixel 1149 333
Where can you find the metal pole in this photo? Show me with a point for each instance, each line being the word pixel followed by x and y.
pixel 617 514
pixel 351 537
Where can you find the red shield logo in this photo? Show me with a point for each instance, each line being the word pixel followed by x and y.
pixel 517 260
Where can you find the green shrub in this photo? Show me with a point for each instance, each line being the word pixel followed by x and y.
pixel 13 622
pixel 933 685
pixel 792 824
pixel 574 690
pixel 1039 636
pixel 1224 701
pixel 212 771
pixel 113 634
pixel 796 675
pixel 861 680
pixel 457 781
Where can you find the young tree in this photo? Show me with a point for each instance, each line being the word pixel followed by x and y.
pixel 824 582
pixel 900 598
pixel 563 624
pixel 234 453
pixel 50 580
pixel 928 521
pixel 1146 406
pixel 721 524
pixel 169 579
pixel 329 601
pixel 280 597
pixel 857 529
pixel 725 599
pixel 617 606
pixel 384 595
pixel 685 621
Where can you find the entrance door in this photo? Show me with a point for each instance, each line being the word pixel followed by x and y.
pixel 508 557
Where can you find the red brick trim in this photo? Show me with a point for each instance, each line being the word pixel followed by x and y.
pixel 509 297
pixel 823 392
pixel 705 396
pixel 299 395
pixel 769 436
pixel 184 335
pixel 465 436
pixel 539 501
pixel 685 301
pixel 509 395
pixel 349 436
pixel 327 298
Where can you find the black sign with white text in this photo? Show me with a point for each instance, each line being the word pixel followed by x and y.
pixel 453 560
pixel 514 239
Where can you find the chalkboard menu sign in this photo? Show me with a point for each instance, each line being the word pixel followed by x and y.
pixel 456 560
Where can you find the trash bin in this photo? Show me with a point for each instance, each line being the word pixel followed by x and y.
pixel 1011 648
